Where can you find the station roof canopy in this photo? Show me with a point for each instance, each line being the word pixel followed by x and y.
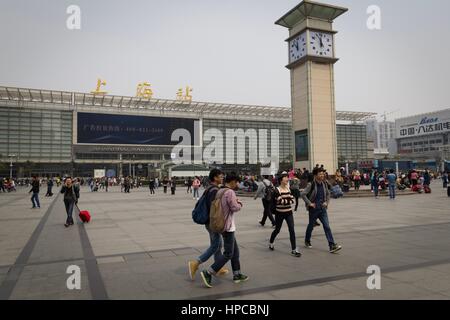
pixel 354 116
pixel 311 9
pixel 53 97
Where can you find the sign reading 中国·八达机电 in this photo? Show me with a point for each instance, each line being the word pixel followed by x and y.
pixel 432 123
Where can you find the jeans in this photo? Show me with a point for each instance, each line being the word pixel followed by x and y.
pixel 152 190
pixel 322 215
pixel 230 252
pixel 392 191
pixel 267 213
pixel 279 218
pixel 214 247
pixel 196 193
pixel 69 209
pixel 35 200
pixel 375 190
pixel 165 189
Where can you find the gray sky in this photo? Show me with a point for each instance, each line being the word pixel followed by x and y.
pixel 228 51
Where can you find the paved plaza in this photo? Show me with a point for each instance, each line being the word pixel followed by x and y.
pixel 137 247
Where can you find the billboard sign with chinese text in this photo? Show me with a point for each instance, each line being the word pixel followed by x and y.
pixel 432 123
pixel 97 128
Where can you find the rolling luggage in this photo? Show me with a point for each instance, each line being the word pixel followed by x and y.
pixel 84 215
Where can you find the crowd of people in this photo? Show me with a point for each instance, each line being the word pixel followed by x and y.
pixel 278 196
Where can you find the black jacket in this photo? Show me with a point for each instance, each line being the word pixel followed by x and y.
pixel 71 194
pixel 35 186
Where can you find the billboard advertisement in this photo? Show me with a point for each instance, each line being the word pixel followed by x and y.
pixel 301 146
pixel 98 128
pixel 99 173
pixel 431 123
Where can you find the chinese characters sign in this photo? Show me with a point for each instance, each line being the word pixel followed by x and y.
pixel 99 128
pixel 423 125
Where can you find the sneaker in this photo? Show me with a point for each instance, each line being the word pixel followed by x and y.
pixel 66 225
pixel 262 224
pixel 271 246
pixel 316 224
pixel 240 278
pixel 296 254
pixel 222 272
pixel 308 244
pixel 193 267
pixel 207 278
pixel 335 248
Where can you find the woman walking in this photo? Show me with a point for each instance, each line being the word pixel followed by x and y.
pixel 283 200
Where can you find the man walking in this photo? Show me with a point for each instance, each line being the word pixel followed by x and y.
pixel 196 187
pixel 230 205
pixel 317 196
pixel 266 191
pixel 189 185
pixel 216 180
pixel 35 189
pixel 151 186
pixel 49 187
pixel 392 183
pixel 71 193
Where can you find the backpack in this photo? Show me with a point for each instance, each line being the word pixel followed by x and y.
pixel 200 214
pixel 313 187
pixel 269 191
pixel 216 216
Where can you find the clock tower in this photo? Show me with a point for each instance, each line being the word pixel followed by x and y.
pixel 312 57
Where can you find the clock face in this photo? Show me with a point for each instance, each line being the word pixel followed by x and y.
pixel 321 44
pixel 297 48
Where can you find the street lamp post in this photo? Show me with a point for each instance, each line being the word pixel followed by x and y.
pixel 11 156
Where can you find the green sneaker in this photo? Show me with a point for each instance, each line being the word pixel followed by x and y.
pixel 207 278
pixel 240 278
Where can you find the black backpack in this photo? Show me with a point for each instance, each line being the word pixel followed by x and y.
pixel 269 192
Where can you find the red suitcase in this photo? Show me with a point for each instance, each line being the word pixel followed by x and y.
pixel 85 216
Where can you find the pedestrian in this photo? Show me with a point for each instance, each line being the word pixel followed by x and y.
pixel 414 178
pixel 196 186
pixel 35 189
pixel 173 185
pixel 266 191
pixel 230 204
pixel 426 178
pixel 165 184
pixel 71 192
pixel 295 190
pixel 215 238
pixel 392 183
pixel 357 179
pixel 151 186
pixel 445 180
pixel 13 185
pixel 374 184
pixel 282 207
pixel 189 185
pixel 317 197
pixel 49 187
